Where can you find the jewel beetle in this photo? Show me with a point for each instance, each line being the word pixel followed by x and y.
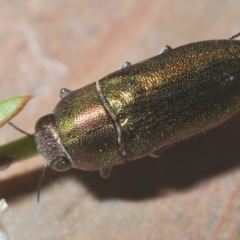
pixel 143 108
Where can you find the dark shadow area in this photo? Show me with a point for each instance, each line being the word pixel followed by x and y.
pixel 180 167
pixel 18 186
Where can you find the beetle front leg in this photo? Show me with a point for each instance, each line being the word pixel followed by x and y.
pixel 165 49
pixel 105 172
pixel 64 92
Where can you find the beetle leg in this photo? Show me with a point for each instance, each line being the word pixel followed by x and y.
pixel 154 155
pixel 165 49
pixel 64 92
pixel 126 64
pixel 105 172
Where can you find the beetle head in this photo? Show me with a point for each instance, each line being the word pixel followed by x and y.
pixel 49 144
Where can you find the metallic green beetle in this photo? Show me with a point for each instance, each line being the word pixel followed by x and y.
pixel 142 108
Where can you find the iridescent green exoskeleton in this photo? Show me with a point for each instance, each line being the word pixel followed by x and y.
pixel 143 108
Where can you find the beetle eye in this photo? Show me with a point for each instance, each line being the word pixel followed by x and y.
pixel 61 164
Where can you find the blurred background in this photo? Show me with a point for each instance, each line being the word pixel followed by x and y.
pixel 191 192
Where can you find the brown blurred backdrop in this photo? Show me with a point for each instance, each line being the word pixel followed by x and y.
pixel 191 192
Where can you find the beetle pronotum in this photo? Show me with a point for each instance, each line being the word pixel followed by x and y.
pixel 142 108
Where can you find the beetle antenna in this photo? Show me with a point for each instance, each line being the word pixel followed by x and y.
pixel 234 36
pixel 20 130
pixel 41 181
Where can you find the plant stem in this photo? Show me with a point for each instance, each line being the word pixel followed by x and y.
pixel 18 150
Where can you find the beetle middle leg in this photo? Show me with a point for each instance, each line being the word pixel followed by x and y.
pixel 105 172
pixel 125 64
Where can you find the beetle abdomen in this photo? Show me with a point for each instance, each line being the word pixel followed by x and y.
pixel 175 95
